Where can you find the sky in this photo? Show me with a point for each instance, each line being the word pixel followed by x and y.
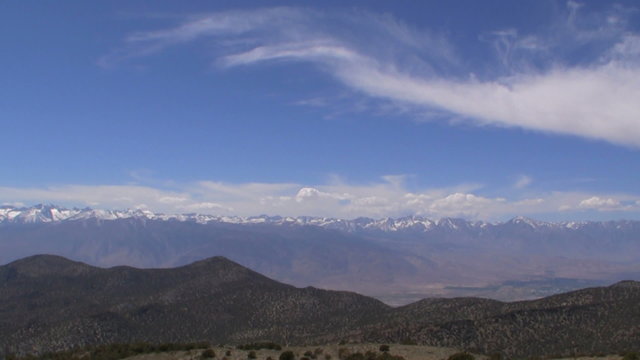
pixel 483 110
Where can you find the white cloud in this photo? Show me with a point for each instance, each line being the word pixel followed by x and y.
pixel 388 197
pixel 602 204
pixel 595 99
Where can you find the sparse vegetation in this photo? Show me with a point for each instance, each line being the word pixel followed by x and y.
pixel 462 356
pixel 202 351
pixel 260 345
pixel 112 351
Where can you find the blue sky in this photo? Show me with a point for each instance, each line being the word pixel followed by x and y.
pixel 481 110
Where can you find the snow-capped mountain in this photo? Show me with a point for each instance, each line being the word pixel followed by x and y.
pixel 51 214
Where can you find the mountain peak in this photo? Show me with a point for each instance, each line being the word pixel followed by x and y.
pixel 46 264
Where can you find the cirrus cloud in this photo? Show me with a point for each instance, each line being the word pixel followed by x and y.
pixel 595 97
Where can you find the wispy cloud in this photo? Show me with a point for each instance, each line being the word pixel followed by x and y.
pixel 540 83
pixel 522 182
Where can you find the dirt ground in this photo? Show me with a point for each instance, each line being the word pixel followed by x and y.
pixel 325 352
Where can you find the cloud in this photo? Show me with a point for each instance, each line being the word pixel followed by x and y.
pixel 594 98
pixel 522 182
pixel 602 204
pixel 388 197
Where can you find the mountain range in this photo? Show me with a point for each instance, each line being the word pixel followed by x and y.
pixel 50 303
pixel 51 213
pixel 395 260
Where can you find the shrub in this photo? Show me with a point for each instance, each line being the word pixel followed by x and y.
pixel 287 355
pixel 384 348
pixel 631 356
pixel 228 353
pixel 462 356
pixel 208 354
pixel 327 357
pixel 251 355
pixel 343 353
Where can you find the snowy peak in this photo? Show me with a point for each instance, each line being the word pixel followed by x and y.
pixel 525 221
pixel 36 214
pixel 414 224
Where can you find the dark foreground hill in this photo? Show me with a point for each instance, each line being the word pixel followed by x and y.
pixel 51 303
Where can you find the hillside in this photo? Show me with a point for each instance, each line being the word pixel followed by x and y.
pixel 51 303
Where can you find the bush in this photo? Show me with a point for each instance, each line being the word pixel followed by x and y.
pixel 384 348
pixel 343 353
pixel 462 356
pixel 251 355
pixel 208 354
pixel 631 356
pixel 287 355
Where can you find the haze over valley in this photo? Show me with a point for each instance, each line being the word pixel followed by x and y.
pixel 396 260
